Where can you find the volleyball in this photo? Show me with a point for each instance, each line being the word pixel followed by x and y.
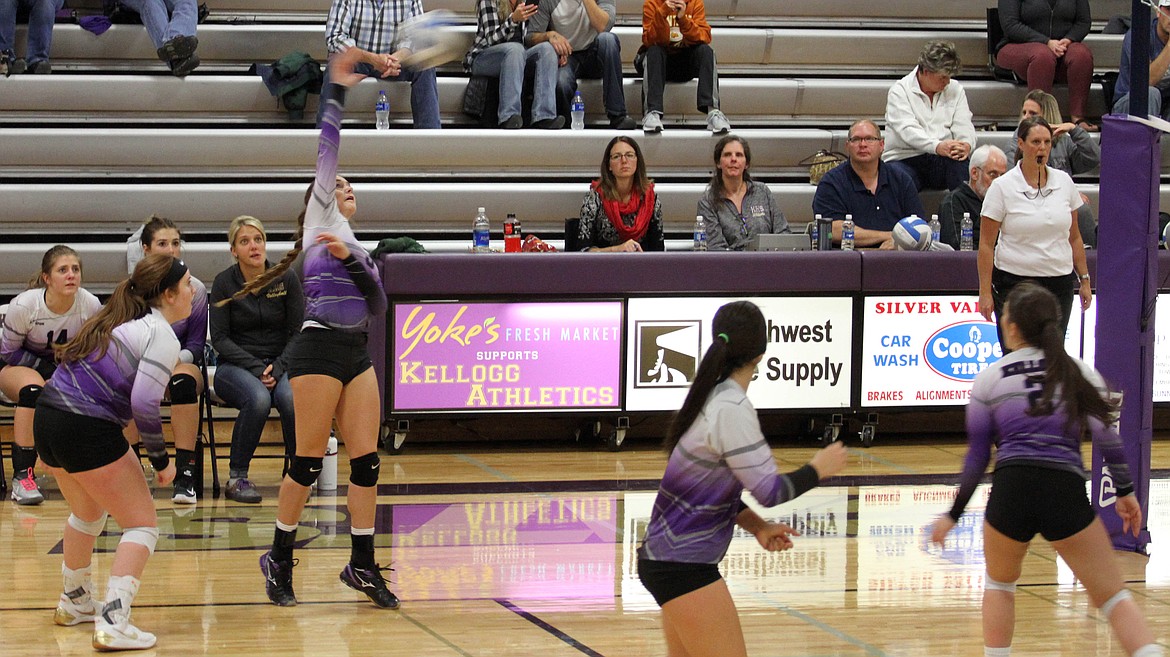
pixel 434 40
pixel 912 234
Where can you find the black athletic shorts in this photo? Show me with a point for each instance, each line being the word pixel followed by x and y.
pixel 338 354
pixel 667 580
pixel 1027 500
pixel 76 443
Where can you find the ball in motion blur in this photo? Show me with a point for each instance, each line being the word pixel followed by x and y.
pixel 435 40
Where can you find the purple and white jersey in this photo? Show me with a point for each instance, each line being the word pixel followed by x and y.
pixel 192 331
pixel 998 415
pixel 126 383
pixel 31 329
pixel 340 295
pixel 719 456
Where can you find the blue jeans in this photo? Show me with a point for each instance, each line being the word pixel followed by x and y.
pixel 166 19
pixel 602 60
pixel 931 171
pixel 41 14
pixel 510 62
pixel 242 390
pixel 424 93
pixel 1121 105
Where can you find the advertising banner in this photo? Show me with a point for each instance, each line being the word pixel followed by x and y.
pixel 1161 344
pixel 486 357
pixel 927 350
pixel 806 365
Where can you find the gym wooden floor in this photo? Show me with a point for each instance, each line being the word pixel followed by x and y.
pixel 506 549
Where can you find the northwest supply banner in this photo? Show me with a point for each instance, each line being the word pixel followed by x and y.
pixel 927 350
pixel 806 365
pixel 506 356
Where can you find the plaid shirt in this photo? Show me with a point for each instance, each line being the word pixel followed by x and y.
pixel 489 31
pixel 368 24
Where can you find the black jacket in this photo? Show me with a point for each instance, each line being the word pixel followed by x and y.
pixel 256 330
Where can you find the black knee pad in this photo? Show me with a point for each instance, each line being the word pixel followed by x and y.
pixel 363 471
pixel 183 389
pixel 28 396
pixel 305 469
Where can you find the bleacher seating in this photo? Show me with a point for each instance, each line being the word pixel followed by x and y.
pixel 87 153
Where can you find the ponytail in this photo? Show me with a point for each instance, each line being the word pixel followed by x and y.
pixel 130 300
pixel 1036 313
pixel 739 335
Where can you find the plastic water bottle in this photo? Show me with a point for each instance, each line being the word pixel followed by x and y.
pixel 481 233
pixel 847 233
pixel 578 112
pixel 816 233
pixel 966 234
pixel 700 235
pixel 327 480
pixel 935 228
pixel 382 111
pixel 512 236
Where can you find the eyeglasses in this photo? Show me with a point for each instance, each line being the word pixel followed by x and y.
pixel 617 157
pixel 1039 193
pixel 866 140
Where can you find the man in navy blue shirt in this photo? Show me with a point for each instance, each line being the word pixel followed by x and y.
pixel 1159 79
pixel 876 194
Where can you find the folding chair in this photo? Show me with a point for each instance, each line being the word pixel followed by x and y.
pixel 207 401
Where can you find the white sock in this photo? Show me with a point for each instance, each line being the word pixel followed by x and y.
pixel 997 652
pixel 1150 650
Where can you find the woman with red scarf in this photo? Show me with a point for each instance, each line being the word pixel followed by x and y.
pixel 621 212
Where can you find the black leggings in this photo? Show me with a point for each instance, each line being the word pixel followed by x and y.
pixel 1064 287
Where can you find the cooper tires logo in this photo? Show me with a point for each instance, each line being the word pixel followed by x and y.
pixel 961 351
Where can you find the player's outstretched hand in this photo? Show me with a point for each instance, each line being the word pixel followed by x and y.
pixel 341 65
pixel 830 460
pixel 941 527
pixel 775 536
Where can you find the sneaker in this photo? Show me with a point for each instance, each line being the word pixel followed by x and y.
pixel 181 68
pixel 623 122
pixel 652 122
pixel 119 636
pixel 25 490
pixel 555 123
pixel 184 490
pixel 717 123
pixel 278 580
pixel 514 122
pixel 180 47
pixel 42 67
pixel 242 490
pixel 370 582
pixel 75 607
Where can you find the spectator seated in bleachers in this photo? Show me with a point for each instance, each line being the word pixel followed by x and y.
pixel 928 121
pixel 621 211
pixel 251 336
pixel 580 32
pixel 1159 79
pixel 372 27
pixel 736 208
pixel 877 194
pixel 987 163
pixel 1074 151
pixel 498 51
pixel 41 15
pixel 1042 44
pixel 171 26
pixel 676 47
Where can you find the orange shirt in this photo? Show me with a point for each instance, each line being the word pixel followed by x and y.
pixel 693 22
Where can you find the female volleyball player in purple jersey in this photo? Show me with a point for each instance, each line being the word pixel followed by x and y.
pixel 50 312
pixel 1035 404
pixel 329 368
pixel 114 370
pixel 716 452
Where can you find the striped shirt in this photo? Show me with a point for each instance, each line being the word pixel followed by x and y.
pixel 31 328
pixel 339 294
pixel 126 383
pixel 997 415
pixel 369 24
pixel 490 30
pixel 720 455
